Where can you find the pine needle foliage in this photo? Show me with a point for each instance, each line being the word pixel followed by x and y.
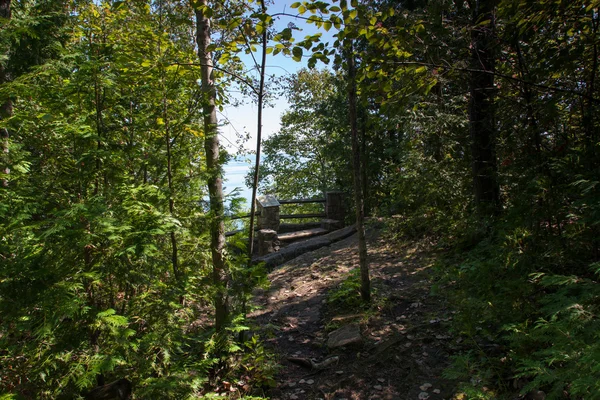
pixel 105 185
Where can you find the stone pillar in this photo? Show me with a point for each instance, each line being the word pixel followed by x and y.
pixel 268 242
pixel 334 206
pixel 268 207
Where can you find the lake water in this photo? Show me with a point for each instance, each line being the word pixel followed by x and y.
pixel 235 172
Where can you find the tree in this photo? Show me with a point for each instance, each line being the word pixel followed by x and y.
pixel 261 89
pixel 87 218
pixel 213 166
pixel 346 57
pixel 357 166
pixel 482 124
pixel 5 104
pixel 309 155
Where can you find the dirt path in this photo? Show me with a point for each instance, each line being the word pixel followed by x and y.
pixel 405 344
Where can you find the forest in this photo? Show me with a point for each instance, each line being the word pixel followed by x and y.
pixel 465 135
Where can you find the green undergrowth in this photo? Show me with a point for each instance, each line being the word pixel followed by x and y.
pixel 347 294
pixel 528 307
pixel 345 298
pixel 526 297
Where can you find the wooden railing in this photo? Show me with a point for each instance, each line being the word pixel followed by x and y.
pixel 234 217
pixel 302 201
pixel 301 216
pixel 269 216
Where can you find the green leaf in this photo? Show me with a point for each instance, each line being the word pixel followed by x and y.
pixel 286 34
pixel 297 53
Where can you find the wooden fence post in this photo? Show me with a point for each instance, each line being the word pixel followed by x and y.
pixel 334 207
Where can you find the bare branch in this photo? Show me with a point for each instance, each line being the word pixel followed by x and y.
pixel 233 74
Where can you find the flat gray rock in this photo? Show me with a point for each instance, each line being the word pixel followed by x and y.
pixel 296 249
pixel 344 336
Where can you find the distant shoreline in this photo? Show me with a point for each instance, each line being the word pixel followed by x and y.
pixel 235 172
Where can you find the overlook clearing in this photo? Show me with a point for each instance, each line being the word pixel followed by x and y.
pixel 462 261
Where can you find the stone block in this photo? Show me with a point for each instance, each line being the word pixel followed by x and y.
pixel 268 207
pixel 331 224
pixel 345 336
pixel 267 242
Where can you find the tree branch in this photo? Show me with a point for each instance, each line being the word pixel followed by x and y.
pixel 233 74
pixel 500 75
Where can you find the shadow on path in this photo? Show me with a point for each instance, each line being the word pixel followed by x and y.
pixel 405 346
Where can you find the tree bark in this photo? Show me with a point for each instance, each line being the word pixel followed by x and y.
pixel 590 112
pixel 481 109
pixel 365 283
pixel 527 93
pixel 169 144
pixel 6 106
pixel 174 254
pixel 364 162
pixel 261 90
pixel 220 273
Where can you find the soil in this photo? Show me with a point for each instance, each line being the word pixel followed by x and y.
pixel 406 343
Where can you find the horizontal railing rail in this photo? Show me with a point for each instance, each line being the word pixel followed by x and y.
pixel 244 215
pixel 301 201
pixel 231 233
pixel 269 214
pixel 301 216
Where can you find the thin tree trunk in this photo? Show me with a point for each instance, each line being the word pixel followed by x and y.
pixel 481 109
pixel 528 97
pixel 6 106
pixel 174 255
pixel 99 131
pixel 5 113
pixel 365 283
pixel 165 116
pixel 261 89
pixel 215 183
pixel 364 163
pixel 591 134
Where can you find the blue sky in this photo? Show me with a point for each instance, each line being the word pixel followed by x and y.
pixel 243 119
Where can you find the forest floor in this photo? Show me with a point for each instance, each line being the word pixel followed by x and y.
pixel 405 340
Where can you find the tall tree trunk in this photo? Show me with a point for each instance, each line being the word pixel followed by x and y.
pixel 5 113
pixel 215 183
pixel 364 162
pixel 168 143
pixel 365 283
pixel 590 112
pixel 98 104
pixel 261 90
pixel 481 108
pixel 527 93
pixel 5 104
pixel 174 255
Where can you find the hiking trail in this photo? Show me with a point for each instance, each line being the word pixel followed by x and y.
pixel 398 347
